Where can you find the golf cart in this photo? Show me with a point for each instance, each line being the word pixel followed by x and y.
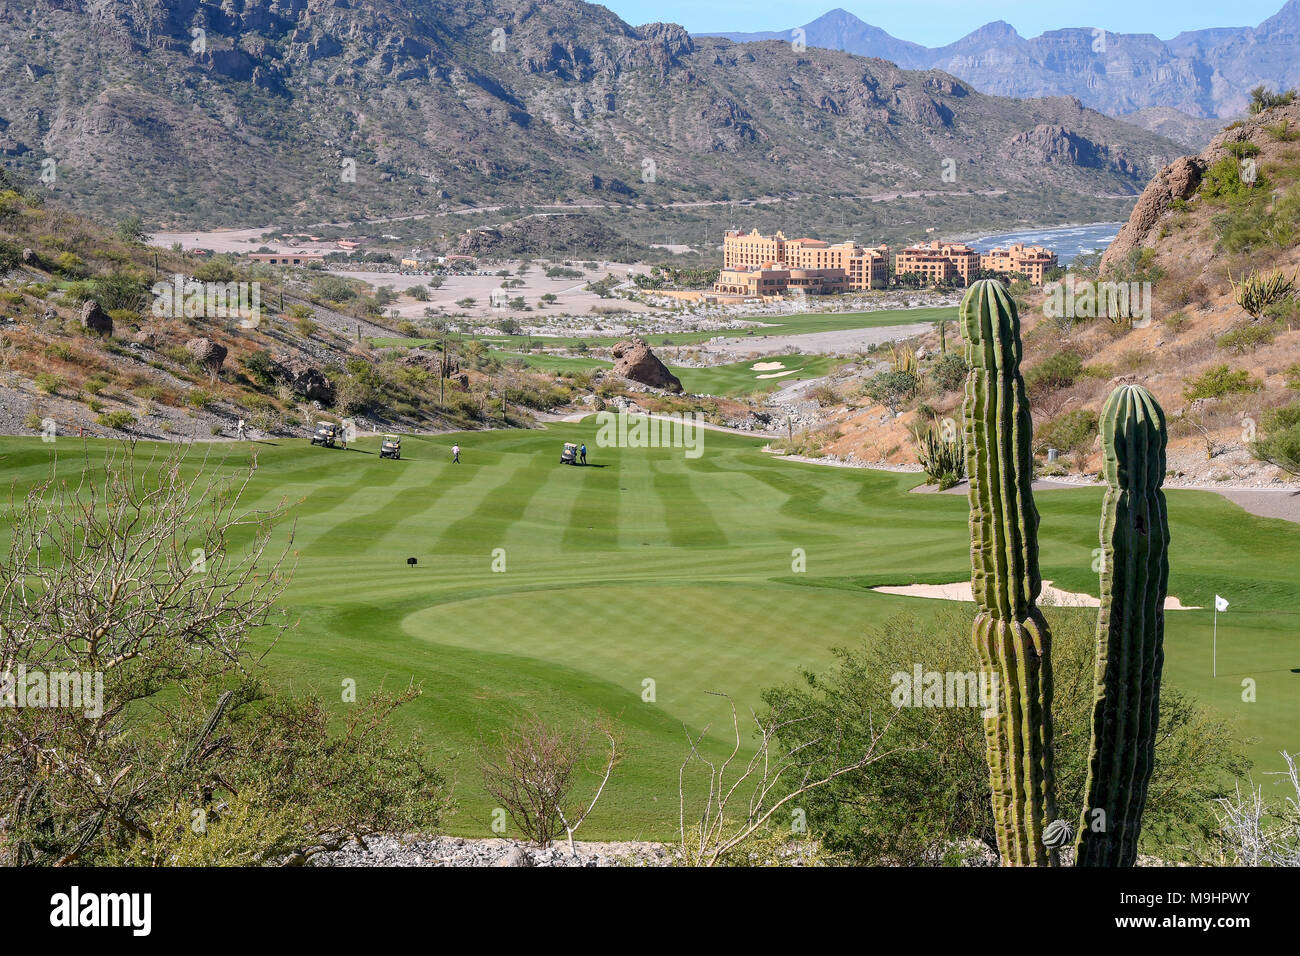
pixel 327 434
pixel 391 447
pixel 570 454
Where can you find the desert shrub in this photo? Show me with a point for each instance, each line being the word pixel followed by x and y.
pixel 1292 374
pixel 260 368
pixel 1247 338
pixel 949 373
pixel 199 398
pixel 59 350
pixel 70 264
pixel 47 382
pixel 1262 99
pixel 927 801
pixel 215 270
pixel 1222 182
pixel 824 395
pixel 118 420
pixel 890 389
pixel 1073 431
pixel 1056 371
pixel 1218 381
pixel 1279 438
pixel 149 392
pixel 1176 322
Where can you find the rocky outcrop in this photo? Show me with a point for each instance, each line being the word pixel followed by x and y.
pixel 1047 143
pixel 94 319
pixel 1177 181
pixel 634 361
pixel 304 379
pixel 1181 179
pixel 207 353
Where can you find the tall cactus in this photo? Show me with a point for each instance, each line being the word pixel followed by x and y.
pixel 1130 629
pixel 1011 636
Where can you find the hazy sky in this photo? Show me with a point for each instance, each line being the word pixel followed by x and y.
pixel 937 22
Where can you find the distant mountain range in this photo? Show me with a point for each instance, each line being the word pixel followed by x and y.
pixel 1203 73
pixel 220 113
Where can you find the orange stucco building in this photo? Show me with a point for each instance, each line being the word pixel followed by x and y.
pixel 1033 262
pixel 754 264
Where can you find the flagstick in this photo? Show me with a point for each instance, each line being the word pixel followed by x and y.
pixel 1214 665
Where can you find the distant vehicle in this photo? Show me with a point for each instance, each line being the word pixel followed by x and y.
pixel 327 434
pixel 391 447
pixel 570 454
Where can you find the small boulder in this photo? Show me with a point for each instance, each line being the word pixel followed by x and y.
pixel 30 258
pixel 634 361
pixel 305 379
pixel 207 353
pixel 94 319
pixel 517 856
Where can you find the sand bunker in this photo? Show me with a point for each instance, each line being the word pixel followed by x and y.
pixel 766 366
pixel 961 591
pixel 779 374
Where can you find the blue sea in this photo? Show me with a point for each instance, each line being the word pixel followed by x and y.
pixel 1068 241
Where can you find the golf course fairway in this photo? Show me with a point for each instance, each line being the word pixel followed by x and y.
pixel 635 586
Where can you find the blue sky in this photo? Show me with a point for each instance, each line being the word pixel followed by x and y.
pixel 936 22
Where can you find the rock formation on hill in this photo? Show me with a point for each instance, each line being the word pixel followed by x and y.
pixel 1181 179
pixel 634 361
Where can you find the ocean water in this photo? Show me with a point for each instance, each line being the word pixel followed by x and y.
pixel 1068 241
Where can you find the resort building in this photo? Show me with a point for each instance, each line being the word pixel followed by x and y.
pixel 286 258
pixel 773 279
pixel 756 265
pixel 939 262
pixel 1030 261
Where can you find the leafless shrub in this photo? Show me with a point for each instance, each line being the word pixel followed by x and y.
pixel 534 769
pixel 124 575
pixel 1254 832
pixel 741 800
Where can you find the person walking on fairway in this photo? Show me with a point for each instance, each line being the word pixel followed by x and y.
pixel 455 454
pixel 582 453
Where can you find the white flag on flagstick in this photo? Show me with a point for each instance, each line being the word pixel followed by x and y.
pixel 1220 604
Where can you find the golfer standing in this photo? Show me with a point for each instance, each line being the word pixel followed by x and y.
pixel 455 454
pixel 239 431
pixel 583 452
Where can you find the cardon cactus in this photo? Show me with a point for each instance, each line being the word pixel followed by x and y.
pixel 1011 636
pixel 1130 628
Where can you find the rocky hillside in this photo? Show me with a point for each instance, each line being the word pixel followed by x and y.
pixel 195 112
pixel 1202 73
pixel 90 345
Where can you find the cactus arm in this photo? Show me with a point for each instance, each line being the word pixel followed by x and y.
pixel 1130 629
pixel 1011 637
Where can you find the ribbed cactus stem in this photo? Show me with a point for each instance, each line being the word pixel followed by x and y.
pixel 1130 628
pixel 1011 636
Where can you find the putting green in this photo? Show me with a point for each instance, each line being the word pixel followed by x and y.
pixel 547 589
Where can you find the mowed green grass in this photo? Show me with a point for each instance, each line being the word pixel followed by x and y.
pixel 798 324
pixel 734 378
pixel 656 567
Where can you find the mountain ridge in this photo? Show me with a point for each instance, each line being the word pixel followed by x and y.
pixel 1203 73
pixel 186 111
